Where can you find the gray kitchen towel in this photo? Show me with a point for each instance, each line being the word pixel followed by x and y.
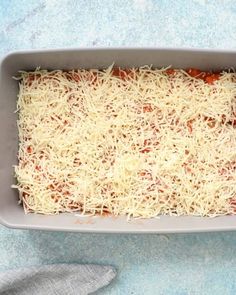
pixel 58 279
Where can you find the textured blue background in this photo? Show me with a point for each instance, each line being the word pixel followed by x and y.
pixel 184 264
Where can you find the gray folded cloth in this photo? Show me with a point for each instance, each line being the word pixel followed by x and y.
pixel 58 279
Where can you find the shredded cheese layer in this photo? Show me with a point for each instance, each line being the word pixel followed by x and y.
pixel 142 143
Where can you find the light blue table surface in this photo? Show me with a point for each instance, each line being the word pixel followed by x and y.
pixel 175 264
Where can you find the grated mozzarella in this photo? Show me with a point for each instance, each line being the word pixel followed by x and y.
pixel 141 143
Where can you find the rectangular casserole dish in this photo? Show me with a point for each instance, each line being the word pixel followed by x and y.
pixel 12 215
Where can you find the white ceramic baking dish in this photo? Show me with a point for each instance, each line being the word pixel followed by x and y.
pixel 12 214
